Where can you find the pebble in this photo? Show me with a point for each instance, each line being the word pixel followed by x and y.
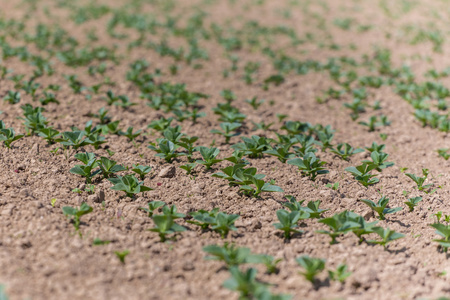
pixel 167 172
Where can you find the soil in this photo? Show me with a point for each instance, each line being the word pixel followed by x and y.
pixel 41 255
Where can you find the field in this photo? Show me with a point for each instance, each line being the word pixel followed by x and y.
pixel 224 149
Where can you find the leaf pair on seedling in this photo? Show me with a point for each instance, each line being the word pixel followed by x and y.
pixel 310 165
pixel 218 221
pixel 8 135
pixel 76 213
pixel 380 207
pixel 420 180
pixel 128 184
pixel 363 175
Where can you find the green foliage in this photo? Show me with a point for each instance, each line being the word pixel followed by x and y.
pixel 75 214
pixel 129 134
pixel 228 130
pixel 253 147
pixel 288 222
pixel 378 161
pixel 231 255
pixel 443 153
pixel 281 152
pixel 165 149
pixel 420 180
pixel 50 135
pixel 209 156
pixel 312 266
pixel 362 174
pixel 412 203
pixel 165 225
pixel 12 97
pixel 443 231
pixel 380 207
pixel 339 224
pixel 386 235
pixel 128 184
pixel 86 170
pixel 189 167
pixel 310 165
pixel 152 206
pixel 344 151
pixel 341 273
pixel 109 167
pixel 121 255
pixel 311 210
pixel 8 136
pixel 141 170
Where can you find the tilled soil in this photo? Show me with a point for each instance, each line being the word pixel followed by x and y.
pixel 41 255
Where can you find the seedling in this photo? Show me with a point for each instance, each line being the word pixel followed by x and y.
pixel 129 134
pixel 50 135
pixel 341 273
pixel 444 231
pixel 247 181
pixel 12 97
pixel 412 203
pixel 254 102
pixel 100 242
pixel 165 149
pixel 121 255
pixel 376 147
pixel 333 186
pixel 380 207
pixel 75 214
pixel 165 225
pixel 109 167
pixel 325 136
pixel 339 224
pixel 231 255
pixel 141 170
pixel 310 165
pixel 188 144
pixel 312 209
pixel 387 236
pixel 281 152
pixel 86 170
pixel 8 136
pixel 53 202
pixel 128 184
pixel 378 161
pixel 228 130
pixel 224 223
pixel 204 218
pixel 420 180
pixel 172 212
pixel 288 222
pixel 362 174
pixel 189 167
pixel 268 261
pixel 253 147
pixel 344 151
pixel 443 153
pixel 371 124
pixel 209 156
pixel 313 266
pixel 152 206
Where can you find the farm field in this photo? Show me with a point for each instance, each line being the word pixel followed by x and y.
pixel 224 149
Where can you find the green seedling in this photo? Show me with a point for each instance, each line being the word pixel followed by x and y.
pixel 204 218
pixel 90 188
pixel 161 124
pixel 412 203
pixel 188 144
pixel 364 227
pixel 341 273
pixel 165 149
pixel 443 231
pixel 362 174
pixel 325 135
pixel 443 153
pixel 339 224
pixel 281 152
pixel 172 212
pixel 378 161
pixel 344 151
pixel 247 181
pixel 387 236
pixel 333 186
pixel 312 266
pixel 12 97
pixel 86 170
pixel 231 255
pixel 224 223
pixel 129 134
pixel 165 225
pixel 438 216
pixel 371 124
pixel 53 202
pixel 75 214
pixel 228 130
pixel 121 255
pixel 48 98
pixel 141 170
pixel 74 139
pixel 189 167
pixel 376 147
pixel 128 184
pixel 310 165
pixel 262 126
pixel 152 206
pixel 357 107
pixel 311 210
pixel 109 167
pixel 100 242
pixel 420 180
pixel 8 136
pixel 253 147
pixel 254 102
pixel 269 262
pixel 296 127
pixel 288 222
pixel 209 156
pixel 50 135
pixel 380 207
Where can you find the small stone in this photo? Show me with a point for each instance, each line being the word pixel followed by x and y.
pixel 167 172
pixel 188 266
pixel 24 193
pixel 101 196
pixel 35 149
pixel 257 225
pixel 93 198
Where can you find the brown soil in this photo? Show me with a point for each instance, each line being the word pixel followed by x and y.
pixel 41 256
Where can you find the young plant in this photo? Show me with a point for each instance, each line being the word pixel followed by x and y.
pixel 344 151
pixel 281 152
pixel 189 167
pixel 339 224
pixel 247 181
pixel 165 149
pixel 172 212
pixel 386 235
pixel 443 231
pixel 129 134
pixel 341 273
pixel 86 170
pixel 311 210
pixel 420 180
pixel 312 266
pixel 109 167
pixel 128 184
pixel 152 206
pixel 362 174
pixel 209 156
pixel 8 136
pixel 228 130
pixel 254 102
pixel 75 214
pixel 371 124
pixel 121 255
pixel 378 161
pixel 12 97
pixel 50 135
pixel 231 255
pixel 443 153
pixel 269 261
pixel 310 165
pixel 288 222
pixel 412 203
pixel 165 225
pixel 141 170
pixel 364 227
pixel 224 223
pixel 380 207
